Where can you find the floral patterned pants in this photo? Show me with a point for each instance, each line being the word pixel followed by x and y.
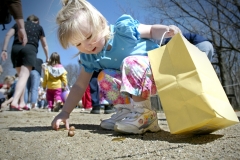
pixel 135 78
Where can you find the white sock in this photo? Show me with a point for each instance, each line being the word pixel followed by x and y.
pixel 145 104
pixel 130 105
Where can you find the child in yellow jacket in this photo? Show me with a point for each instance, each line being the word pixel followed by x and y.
pixel 54 76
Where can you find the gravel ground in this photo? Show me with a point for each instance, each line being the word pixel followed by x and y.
pixel 27 135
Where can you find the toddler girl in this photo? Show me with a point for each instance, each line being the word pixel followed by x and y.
pixel 120 51
pixel 54 76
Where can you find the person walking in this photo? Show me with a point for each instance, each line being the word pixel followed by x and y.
pixel 24 57
pixel 120 51
pixel 15 8
pixel 54 77
pixel 31 92
pixel 42 102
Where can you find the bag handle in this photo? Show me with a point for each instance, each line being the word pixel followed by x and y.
pixel 145 72
pixel 163 37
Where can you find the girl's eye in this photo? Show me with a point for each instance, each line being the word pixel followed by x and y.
pixel 89 36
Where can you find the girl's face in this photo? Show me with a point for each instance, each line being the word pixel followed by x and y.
pixel 91 45
pixel 94 41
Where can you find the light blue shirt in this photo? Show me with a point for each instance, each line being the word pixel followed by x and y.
pixel 125 42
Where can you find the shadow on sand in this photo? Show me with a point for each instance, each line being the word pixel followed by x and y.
pixel 159 136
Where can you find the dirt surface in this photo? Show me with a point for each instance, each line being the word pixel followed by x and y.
pixel 27 135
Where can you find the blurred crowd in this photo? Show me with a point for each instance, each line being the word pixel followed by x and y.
pixel 7 89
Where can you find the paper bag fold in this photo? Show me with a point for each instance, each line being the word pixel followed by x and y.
pixel 191 94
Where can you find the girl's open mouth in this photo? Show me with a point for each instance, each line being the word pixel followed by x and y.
pixel 94 49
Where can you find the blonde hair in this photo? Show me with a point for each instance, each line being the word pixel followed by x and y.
pixel 73 19
pixel 9 79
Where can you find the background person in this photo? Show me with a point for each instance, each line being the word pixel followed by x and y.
pixel 24 57
pixel 87 100
pixel 95 97
pixel 15 8
pixel 31 92
pixel 54 77
pixel 11 82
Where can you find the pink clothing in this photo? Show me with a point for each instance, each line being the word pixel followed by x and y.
pixel 53 95
pixel 135 78
pixel 86 99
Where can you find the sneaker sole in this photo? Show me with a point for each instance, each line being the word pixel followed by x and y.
pixel 107 125
pixel 109 111
pixel 95 112
pixel 153 127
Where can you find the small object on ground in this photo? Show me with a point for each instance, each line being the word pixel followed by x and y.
pixel 71 133
pixel 119 139
pixel 72 128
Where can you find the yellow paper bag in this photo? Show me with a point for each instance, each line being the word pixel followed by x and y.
pixel 191 94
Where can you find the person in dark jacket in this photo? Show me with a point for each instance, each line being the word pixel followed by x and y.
pixel 200 42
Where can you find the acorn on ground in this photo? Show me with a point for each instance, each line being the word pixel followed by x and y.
pixel 71 133
pixel 72 128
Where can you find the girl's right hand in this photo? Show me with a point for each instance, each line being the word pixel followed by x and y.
pixel 61 117
pixel 4 55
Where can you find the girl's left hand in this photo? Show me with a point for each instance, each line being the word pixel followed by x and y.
pixel 4 55
pixel 173 30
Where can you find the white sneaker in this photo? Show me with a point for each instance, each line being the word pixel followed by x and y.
pixel 122 111
pixel 138 121
pixel 87 110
